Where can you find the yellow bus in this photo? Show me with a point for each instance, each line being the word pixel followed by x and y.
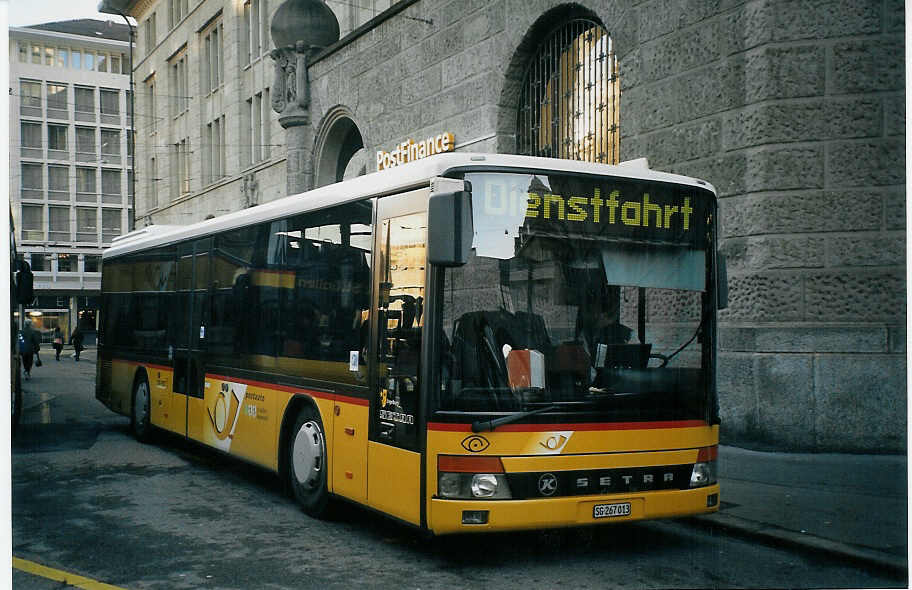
pixel 465 343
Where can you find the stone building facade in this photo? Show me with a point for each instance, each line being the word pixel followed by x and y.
pixel 793 110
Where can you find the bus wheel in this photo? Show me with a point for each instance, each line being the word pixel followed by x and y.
pixel 140 422
pixel 307 463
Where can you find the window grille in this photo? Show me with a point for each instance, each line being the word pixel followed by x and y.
pixel 570 96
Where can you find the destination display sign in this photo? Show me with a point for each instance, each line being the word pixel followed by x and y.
pixel 509 206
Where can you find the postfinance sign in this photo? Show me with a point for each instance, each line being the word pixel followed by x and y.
pixel 409 151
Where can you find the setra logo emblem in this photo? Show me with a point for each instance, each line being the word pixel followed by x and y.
pixel 475 443
pixel 547 484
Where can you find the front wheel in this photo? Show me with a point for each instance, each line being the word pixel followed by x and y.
pixel 140 421
pixel 307 463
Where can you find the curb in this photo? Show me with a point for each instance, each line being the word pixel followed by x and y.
pixel 777 536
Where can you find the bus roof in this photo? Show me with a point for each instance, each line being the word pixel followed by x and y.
pixel 409 176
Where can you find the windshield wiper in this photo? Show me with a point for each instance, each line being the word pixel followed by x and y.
pixel 482 425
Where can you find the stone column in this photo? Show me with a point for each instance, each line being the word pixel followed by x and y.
pixel 300 29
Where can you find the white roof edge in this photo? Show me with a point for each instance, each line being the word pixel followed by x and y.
pixel 39 33
pixel 408 176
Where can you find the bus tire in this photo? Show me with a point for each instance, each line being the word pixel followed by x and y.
pixel 307 463
pixel 140 418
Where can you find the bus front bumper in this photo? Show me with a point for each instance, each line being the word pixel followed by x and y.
pixel 450 516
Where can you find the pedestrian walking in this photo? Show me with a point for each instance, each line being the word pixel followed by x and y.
pixel 58 342
pixel 76 341
pixel 29 344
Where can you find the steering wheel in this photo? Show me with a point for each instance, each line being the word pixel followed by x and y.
pixel 661 357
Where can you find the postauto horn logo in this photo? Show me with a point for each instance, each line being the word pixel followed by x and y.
pixel 475 443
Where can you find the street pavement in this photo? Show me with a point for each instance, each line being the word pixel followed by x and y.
pixel 848 506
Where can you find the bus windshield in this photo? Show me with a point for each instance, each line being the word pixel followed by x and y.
pixel 588 298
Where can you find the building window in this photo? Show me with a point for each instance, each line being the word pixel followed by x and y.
pixel 150 105
pixel 150 33
pixel 32 181
pixel 85 185
pixel 50 56
pixel 23 52
pixel 30 98
pixel 85 103
pixel 63 57
pixel 59 224
pixel 67 262
pixel 178 12
pixel 59 183
pixel 180 101
pixel 86 224
pixel 57 139
pixel 211 69
pixel 267 124
pixel 110 224
pixel 92 263
pixel 30 139
pixel 110 187
pixel 77 59
pixel 115 64
pixel 57 100
pixel 255 33
pixel 180 164
pixel 103 62
pixel 151 185
pixel 32 222
pixel 88 60
pixel 570 96
pixel 110 146
pixel 85 144
pixel 110 106
pixel 40 262
pixel 36 54
pixel 214 152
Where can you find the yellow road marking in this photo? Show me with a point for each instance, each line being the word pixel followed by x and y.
pixel 60 576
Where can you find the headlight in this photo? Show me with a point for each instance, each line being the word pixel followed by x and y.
pixel 459 478
pixel 704 470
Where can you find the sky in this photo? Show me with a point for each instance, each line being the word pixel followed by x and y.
pixel 21 13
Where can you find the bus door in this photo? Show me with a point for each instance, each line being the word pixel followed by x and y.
pixel 192 307
pixel 394 447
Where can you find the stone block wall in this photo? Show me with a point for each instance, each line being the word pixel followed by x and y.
pixel 792 109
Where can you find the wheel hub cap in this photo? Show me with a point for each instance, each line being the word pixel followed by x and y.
pixel 307 454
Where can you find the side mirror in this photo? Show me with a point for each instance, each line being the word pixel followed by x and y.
pixel 722 277
pixel 25 292
pixel 450 228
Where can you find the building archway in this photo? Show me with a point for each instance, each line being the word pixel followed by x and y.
pixel 338 142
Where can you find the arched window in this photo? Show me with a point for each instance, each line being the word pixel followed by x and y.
pixel 570 96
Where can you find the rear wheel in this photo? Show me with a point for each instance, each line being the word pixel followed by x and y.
pixel 307 463
pixel 140 422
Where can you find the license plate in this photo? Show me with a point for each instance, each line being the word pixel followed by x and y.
pixel 609 510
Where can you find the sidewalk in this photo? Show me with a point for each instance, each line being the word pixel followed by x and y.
pixel 852 507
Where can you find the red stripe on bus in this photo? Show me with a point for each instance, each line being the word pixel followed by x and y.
pixel 590 426
pixel 336 397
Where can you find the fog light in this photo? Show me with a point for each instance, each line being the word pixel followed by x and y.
pixel 484 485
pixel 712 500
pixel 474 517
